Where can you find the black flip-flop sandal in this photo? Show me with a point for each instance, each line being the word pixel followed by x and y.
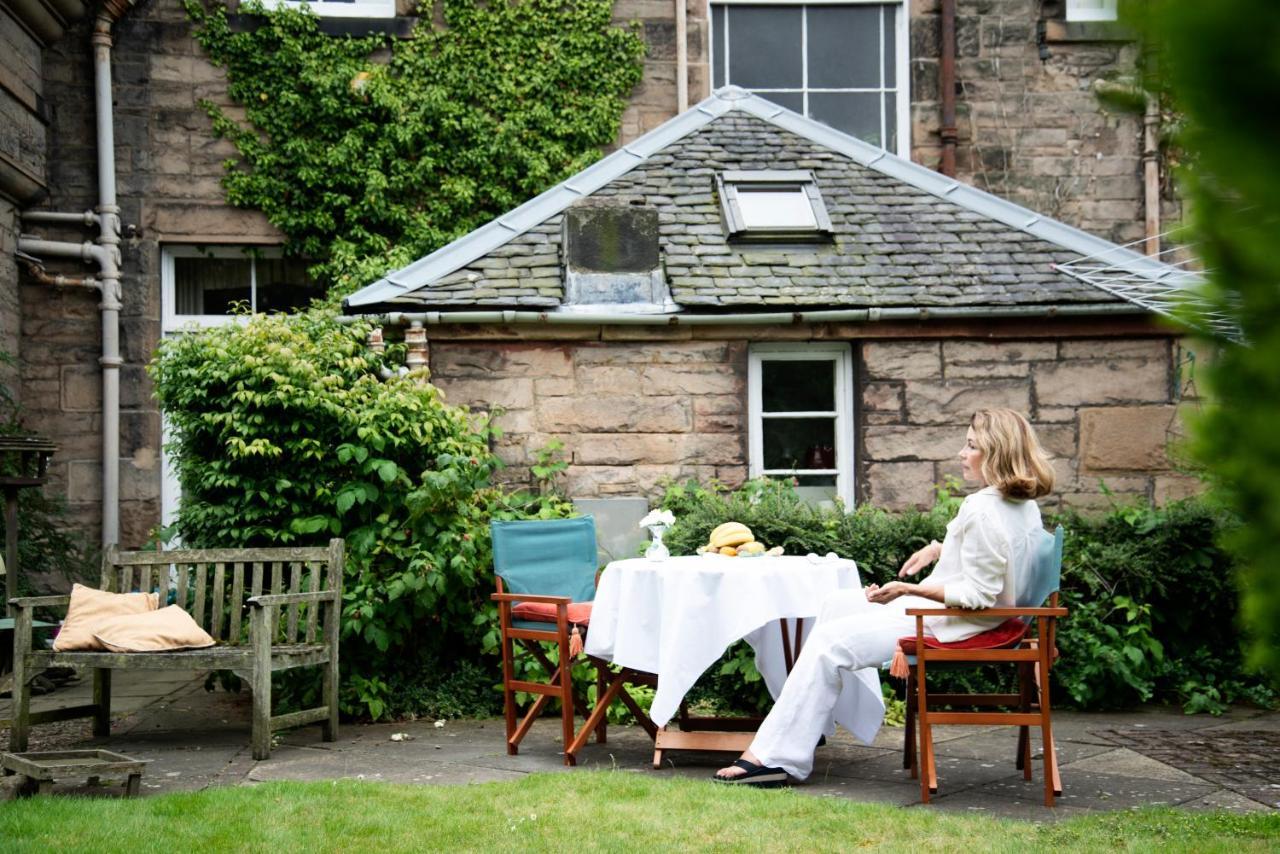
pixel 757 775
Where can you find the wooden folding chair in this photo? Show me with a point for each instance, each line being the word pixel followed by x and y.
pixel 1005 644
pixel 546 578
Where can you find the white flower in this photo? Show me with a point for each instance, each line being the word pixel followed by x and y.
pixel 658 517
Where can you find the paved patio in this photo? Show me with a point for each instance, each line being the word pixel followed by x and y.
pixel 1148 756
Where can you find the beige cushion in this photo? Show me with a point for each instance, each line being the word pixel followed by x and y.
pixel 89 608
pixel 167 629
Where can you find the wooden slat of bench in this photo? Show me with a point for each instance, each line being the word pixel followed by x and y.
pixel 212 658
pixel 276 587
pixel 313 610
pixel 197 608
pixel 219 598
pixel 237 600
pixel 295 586
pixel 225 555
pixel 184 579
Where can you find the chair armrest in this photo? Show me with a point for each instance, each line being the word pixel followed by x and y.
pixel 40 601
pixel 986 612
pixel 529 597
pixel 270 599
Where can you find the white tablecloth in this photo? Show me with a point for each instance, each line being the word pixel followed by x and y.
pixel 676 618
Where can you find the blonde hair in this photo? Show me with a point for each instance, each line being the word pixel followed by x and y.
pixel 1012 459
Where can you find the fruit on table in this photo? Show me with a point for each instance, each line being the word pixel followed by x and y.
pixel 728 551
pixel 731 534
pixel 751 549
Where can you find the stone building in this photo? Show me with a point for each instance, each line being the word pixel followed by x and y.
pixel 745 291
pixel 1009 100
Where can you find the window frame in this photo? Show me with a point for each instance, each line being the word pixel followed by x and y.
pixel 902 60
pixel 170 320
pixel 728 184
pixel 325 9
pixel 1075 13
pixel 839 352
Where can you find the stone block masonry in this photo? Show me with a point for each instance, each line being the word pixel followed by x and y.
pixel 1105 408
pixel 629 414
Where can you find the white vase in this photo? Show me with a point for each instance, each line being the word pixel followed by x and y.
pixel 657 549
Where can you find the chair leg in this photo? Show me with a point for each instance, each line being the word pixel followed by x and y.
pixel 261 735
pixel 329 690
pixel 602 682
pixel 1052 783
pixel 102 702
pixel 1023 759
pixel 928 774
pixel 566 703
pixel 509 697
pixel 909 727
pixel 20 726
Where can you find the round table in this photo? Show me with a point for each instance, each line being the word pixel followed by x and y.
pixel 676 617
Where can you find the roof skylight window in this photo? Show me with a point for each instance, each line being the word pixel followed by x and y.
pixel 772 205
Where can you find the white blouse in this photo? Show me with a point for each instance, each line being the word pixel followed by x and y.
pixel 987 557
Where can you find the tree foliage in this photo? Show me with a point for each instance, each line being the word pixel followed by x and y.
pixel 282 432
pixel 1218 60
pixel 370 153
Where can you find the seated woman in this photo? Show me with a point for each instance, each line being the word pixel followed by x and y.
pixel 987 554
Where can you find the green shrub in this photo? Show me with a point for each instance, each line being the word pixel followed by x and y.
pixel 368 153
pixel 1153 612
pixel 283 433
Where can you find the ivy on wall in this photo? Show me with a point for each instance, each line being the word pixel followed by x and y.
pixel 369 153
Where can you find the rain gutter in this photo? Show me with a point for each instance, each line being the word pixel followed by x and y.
pixel 862 315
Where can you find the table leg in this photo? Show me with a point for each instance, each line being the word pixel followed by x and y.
pixel 738 733
pixel 133 785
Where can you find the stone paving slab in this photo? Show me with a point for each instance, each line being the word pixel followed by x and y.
pixel 197 739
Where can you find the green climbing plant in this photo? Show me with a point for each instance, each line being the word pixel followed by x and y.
pixel 371 152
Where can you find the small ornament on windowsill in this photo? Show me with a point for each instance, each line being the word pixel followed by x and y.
pixel 658 522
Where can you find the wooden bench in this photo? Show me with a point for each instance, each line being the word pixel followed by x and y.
pixel 269 609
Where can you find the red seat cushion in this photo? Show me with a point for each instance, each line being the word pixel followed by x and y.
pixel 545 612
pixel 1007 634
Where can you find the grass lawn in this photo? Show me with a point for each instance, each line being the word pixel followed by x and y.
pixel 603 810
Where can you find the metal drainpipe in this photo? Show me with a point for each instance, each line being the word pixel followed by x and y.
pixel 1151 175
pixel 682 56
pixel 947 85
pixel 109 241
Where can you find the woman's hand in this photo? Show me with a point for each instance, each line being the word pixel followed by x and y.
pixel 921 559
pixel 880 595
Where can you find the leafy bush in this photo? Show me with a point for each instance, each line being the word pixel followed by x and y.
pixel 1153 611
pixel 283 433
pixel 371 152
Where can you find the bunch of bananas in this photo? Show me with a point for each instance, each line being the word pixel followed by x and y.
pixel 734 539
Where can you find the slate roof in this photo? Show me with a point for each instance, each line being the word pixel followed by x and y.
pixel 904 235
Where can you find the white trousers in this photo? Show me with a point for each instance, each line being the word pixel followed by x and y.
pixel 851 633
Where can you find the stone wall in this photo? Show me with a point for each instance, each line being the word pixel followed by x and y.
pixel 632 412
pixel 22 170
pixel 1106 409
pixel 168 167
pixel 654 100
pixel 628 413
pixel 10 338
pixel 1030 125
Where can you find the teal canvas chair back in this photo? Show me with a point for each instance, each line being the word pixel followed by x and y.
pixel 547 557
pixel 1046 574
